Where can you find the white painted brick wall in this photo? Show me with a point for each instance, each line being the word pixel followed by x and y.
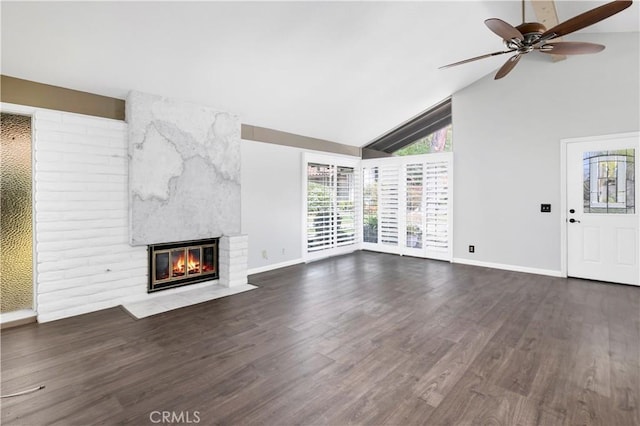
pixel 234 256
pixel 84 260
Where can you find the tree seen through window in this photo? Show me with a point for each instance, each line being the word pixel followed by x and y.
pixel 438 141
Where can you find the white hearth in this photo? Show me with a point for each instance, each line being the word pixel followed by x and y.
pixel 189 296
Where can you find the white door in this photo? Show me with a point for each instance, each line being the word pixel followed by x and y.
pixel 602 215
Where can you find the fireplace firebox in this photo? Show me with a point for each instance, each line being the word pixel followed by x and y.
pixel 182 263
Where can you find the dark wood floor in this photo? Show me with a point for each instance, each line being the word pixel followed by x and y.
pixel 365 338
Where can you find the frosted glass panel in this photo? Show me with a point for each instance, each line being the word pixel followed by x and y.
pixel 16 247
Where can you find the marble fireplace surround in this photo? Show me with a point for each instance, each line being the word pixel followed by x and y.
pixel 184 184
pixel 184 170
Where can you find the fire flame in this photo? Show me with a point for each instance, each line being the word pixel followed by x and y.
pixel 193 264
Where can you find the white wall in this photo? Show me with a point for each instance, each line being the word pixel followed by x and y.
pixel 507 147
pixel 271 203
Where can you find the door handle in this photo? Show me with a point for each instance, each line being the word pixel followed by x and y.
pixel 572 220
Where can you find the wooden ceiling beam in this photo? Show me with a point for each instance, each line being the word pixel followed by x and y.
pixel 547 15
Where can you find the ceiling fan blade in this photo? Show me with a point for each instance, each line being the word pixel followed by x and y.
pixel 508 66
pixel 488 55
pixel 585 19
pixel 504 29
pixel 570 48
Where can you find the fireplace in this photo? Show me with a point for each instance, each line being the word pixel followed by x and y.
pixel 182 263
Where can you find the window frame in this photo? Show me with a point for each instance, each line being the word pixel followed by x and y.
pixel 335 247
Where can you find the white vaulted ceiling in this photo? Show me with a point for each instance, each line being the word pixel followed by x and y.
pixel 341 71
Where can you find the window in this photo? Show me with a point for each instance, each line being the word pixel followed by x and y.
pixel 429 132
pixel 609 181
pixel 389 205
pixel 438 141
pixel 370 205
pixel 320 210
pixel 331 213
pixel 415 211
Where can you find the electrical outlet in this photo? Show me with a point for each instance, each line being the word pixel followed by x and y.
pixel 264 254
pixel 472 249
pixel 545 208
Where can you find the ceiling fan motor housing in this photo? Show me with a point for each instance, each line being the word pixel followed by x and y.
pixel 528 28
pixel 531 32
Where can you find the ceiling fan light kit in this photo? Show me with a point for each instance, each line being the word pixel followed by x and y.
pixel 530 36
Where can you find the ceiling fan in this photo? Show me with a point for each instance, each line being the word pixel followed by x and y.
pixel 530 36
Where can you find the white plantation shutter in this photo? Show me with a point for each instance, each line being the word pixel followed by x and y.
pixel 345 205
pixel 438 208
pixel 389 205
pixel 414 205
pixel 320 206
pixel 332 219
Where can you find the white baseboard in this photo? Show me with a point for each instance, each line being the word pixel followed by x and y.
pixel 274 266
pixel 515 268
pixel 17 315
